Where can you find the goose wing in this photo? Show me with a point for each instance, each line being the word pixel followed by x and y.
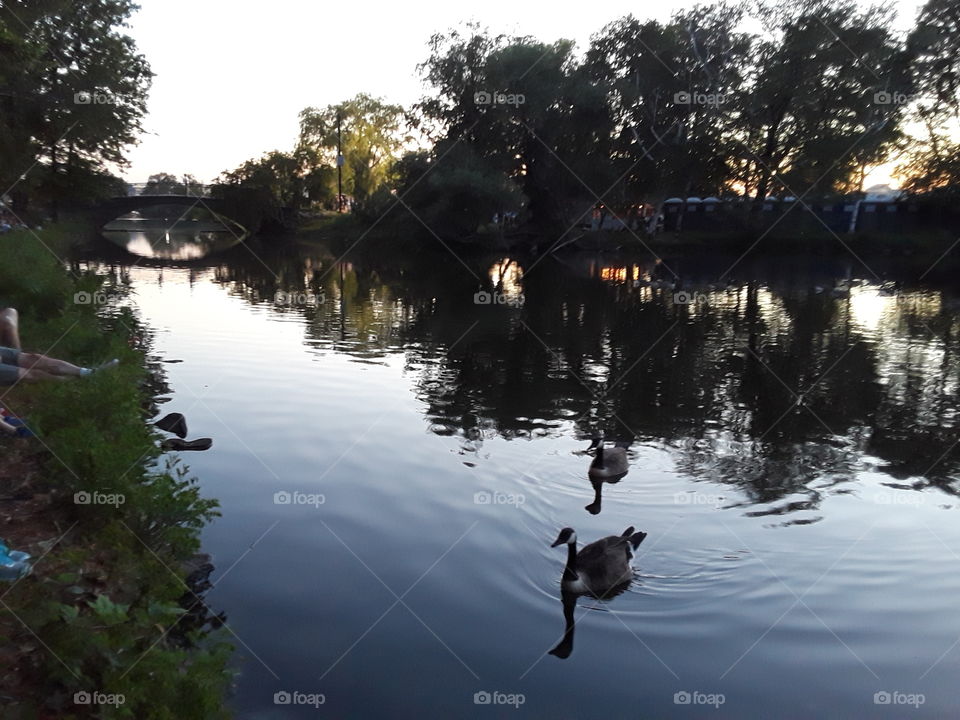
pixel 617 460
pixel 597 552
pixel 605 563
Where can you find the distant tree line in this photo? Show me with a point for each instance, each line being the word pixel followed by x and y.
pixel 779 98
pixel 782 98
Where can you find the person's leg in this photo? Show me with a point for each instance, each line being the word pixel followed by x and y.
pixel 11 375
pixel 50 366
pixel 34 375
pixel 10 328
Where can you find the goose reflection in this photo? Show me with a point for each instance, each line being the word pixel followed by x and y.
pixel 565 646
pixel 609 465
pixel 601 569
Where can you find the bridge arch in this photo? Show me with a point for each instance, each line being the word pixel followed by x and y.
pixel 113 208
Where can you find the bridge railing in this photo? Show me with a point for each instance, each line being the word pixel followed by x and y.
pixel 194 189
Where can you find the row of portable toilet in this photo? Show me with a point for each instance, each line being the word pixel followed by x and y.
pixel 839 216
pixel 710 203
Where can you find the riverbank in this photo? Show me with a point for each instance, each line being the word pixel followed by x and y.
pixel 924 247
pixel 99 628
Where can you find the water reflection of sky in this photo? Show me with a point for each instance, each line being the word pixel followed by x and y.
pixel 172 244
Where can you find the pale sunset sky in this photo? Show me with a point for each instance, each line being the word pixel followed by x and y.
pixel 232 77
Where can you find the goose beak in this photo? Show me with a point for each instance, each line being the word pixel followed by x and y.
pixel 556 542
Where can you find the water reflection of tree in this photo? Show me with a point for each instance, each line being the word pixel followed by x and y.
pixel 770 385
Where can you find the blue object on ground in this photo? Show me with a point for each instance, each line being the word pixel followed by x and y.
pixel 13 563
pixel 22 429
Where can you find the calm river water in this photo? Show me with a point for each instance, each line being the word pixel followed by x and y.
pixel 394 455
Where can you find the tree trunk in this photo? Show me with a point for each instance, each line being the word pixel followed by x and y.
pixel 54 183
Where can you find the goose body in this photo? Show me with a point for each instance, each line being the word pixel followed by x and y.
pixel 602 568
pixel 609 463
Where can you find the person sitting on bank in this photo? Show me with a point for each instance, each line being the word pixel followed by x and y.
pixel 16 365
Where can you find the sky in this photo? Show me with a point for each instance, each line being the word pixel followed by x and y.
pixel 232 77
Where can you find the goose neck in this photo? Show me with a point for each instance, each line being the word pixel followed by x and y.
pixel 570 570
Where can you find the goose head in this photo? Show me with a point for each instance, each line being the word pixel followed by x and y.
pixel 567 536
pixel 594 444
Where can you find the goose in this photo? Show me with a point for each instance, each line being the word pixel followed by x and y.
pixel 602 568
pixel 608 464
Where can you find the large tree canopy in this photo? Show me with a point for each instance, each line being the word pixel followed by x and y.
pixel 823 98
pixel 73 89
pixel 521 108
pixel 933 164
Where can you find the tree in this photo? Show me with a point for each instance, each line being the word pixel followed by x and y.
pixel 277 174
pixel 522 109
pixel 75 88
pixel 823 97
pixel 167 184
pixel 20 109
pixel 371 138
pixel 933 165
pixel 672 92
pixel 461 194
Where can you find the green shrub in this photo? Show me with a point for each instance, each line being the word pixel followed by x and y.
pixel 105 597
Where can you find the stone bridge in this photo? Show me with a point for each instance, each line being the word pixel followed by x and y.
pixel 113 208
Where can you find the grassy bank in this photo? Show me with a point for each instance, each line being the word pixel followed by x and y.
pixel 109 521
